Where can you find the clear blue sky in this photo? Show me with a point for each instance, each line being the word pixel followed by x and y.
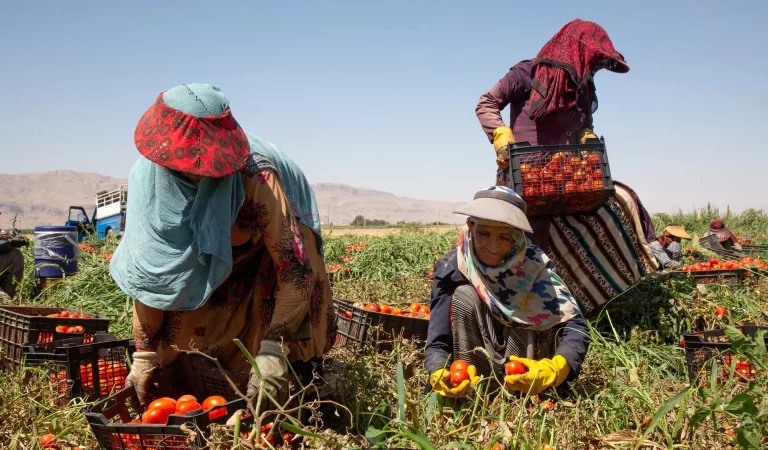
pixel 382 94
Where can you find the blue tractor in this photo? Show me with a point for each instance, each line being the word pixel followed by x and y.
pixel 108 218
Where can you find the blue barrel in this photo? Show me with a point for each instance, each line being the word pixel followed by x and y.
pixel 56 251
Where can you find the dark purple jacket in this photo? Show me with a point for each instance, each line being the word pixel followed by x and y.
pixel 561 127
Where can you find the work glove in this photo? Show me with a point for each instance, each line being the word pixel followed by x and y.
pixel 274 370
pixel 142 369
pixel 502 137
pixel 585 134
pixel 440 381
pixel 541 375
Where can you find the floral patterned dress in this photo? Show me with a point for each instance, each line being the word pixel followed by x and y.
pixel 278 289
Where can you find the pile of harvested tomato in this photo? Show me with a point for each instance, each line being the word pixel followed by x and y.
pixel 356 247
pixel 68 315
pixel 714 264
pixel 416 310
pixel 338 268
pixel 159 410
pixel 563 174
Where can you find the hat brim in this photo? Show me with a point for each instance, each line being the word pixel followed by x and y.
pixel 213 146
pixel 677 232
pixel 496 211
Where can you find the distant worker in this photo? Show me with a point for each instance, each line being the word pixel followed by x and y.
pixel 223 242
pixel 667 247
pixel 11 261
pixel 551 100
pixel 727 239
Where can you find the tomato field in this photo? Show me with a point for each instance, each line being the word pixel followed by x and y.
pixel 634 391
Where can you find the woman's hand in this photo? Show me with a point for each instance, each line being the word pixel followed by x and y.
pixel 541 374
pixel 585 134
pixel 274 370
pixel 502 137
pixel 441 380
pixel 143 368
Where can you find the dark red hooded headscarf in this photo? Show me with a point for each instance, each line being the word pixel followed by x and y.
pixel 578 50
pixel 716 226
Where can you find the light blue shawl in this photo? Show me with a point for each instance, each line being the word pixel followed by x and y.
pixel 176 249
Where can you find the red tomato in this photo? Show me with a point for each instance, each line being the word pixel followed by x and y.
pixel 720 311
pixel 64 314
pixel 415 307
pixel 48 441
pixel 397 311
pixel 211 402
pixel 385 309
pixel 425 310
pixel 515 368
pixel 713 261
pixel 459 364
pixel 167 404
pixel 373 307
pixel 497 447
pixel 547 405
pixel 458 377
pixel 155 416
pixel 187 406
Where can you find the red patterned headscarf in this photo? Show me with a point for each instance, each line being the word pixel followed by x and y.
pixel 578 50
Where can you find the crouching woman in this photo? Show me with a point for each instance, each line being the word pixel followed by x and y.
pixel 499 292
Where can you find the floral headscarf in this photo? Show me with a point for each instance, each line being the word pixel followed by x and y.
pixel 522 291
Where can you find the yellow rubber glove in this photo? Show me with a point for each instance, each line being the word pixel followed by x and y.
pixel 585 134
pixel 440 381
pixel 502 137
pixel 542 374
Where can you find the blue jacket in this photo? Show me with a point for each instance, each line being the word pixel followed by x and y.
pixel 574 337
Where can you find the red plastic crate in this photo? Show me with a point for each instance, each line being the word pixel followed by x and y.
pixel 25 325
pixel 557 180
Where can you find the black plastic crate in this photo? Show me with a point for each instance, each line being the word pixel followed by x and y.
pixel 558 180
pixel 713 244
pixel 729 277
pixel 703 346
pixel 24 325
pixel 356 326
pixel 70 365
pixel 755 250
pixel 110 419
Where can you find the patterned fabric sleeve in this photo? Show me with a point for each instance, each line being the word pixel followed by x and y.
pixel 147 323
pixel 661 255
pixel 282 238
pixel 675 251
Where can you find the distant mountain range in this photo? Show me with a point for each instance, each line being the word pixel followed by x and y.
pixel 44 199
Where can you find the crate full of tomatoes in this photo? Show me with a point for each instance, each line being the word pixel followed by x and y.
pixel 185 398
pixel 716 346
pixel 94 370
pixel 357 324
pixel 731 273
pixel 558 180
pixel 25 325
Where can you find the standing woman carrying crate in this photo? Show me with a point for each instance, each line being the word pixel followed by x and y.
pixel 552 99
